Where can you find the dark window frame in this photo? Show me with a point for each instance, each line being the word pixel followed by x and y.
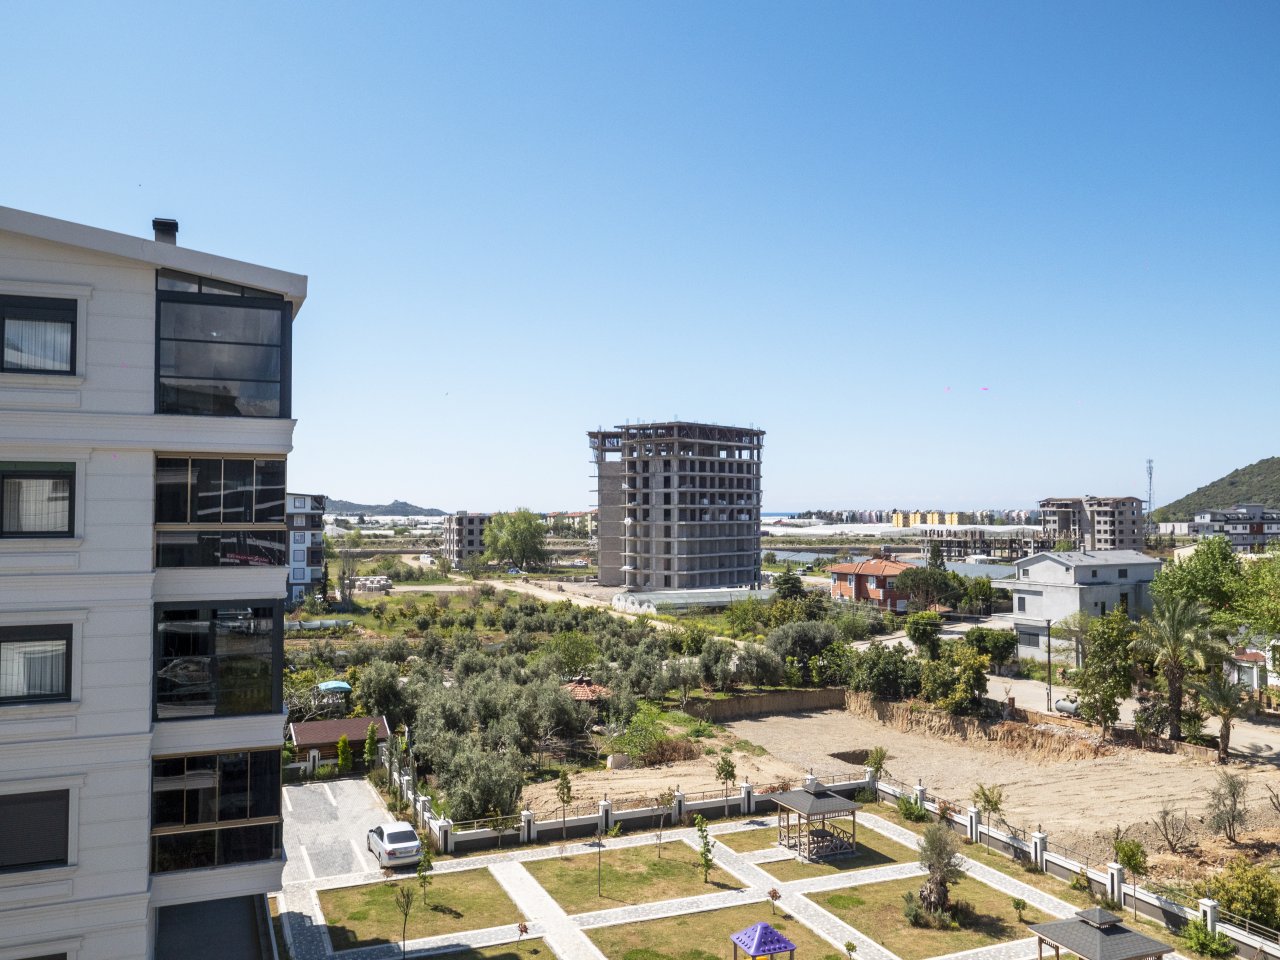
pixel 53 864
pixel 32 632
pixel 202 606
pixel 61 304
pixel 252 299
pixel 68 473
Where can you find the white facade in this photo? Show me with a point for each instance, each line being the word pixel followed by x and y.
pixel 304 515
pixel 1052 586
pixel 92 740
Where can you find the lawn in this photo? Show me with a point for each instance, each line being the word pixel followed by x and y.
pixel 888 811
pixel 747 840
pixel 876 910
pixel 629 875
pixel 527 949
pixel 874 850
pixel 367 915
pixel 1041 881
pixel 704 936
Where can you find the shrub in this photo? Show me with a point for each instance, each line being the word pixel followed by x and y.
pixel 1080 882
pixel 1198 938
pixel 325 771
pixel 668 750
pixel 912 811
pixel 379 778
pixel 1245 889
pixel 865 795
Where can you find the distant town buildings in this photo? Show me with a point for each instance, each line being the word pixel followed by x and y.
pixel 1249 526
pixel 679 505
pixel 869 581
pixel 939 518
pixel 304 516
pixel 576 523
pixel 1093 523
pixel 1051 586
pixel 463 536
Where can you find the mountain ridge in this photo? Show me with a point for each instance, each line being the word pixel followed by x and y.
pixel 1257 483
pixel 396 508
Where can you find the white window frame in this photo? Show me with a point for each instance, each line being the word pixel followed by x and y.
pixel 43 618
pixel 71 947
pixel 78 292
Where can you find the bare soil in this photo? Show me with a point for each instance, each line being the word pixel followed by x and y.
pixel 1077 797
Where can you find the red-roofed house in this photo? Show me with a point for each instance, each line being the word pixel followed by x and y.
pixel 584 691
pixel 1248 666
pixel 316 741
pixel 869 581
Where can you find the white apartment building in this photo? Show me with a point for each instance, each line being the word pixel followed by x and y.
pixel 1250 527
pixel 1051 586
pixel 144 423
pixel 304 516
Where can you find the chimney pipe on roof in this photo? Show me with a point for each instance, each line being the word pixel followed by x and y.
pixel 166 230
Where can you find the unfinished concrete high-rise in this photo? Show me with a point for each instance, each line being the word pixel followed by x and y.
pixel 679 505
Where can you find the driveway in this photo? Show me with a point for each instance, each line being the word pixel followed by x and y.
pixel 325 827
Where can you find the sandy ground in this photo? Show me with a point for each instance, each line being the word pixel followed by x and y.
pixel 1077 801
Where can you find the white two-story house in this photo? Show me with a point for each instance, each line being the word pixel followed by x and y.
pixel 1047 587
pixel 144 423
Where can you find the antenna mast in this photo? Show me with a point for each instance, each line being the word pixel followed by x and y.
pixel 1150 503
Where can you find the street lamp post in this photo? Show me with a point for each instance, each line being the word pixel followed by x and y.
pixel 1048 664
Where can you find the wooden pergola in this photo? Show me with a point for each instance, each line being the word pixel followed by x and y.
pixel 1096 934
pixel 804 822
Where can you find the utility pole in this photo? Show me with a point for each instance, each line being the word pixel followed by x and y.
pixel 1048 663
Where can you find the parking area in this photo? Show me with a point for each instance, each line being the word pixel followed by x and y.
pixel 325 827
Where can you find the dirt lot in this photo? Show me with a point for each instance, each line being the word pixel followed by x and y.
pixel 1078 801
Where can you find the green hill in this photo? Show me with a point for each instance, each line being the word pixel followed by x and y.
pixel 1257 483
pixel 397 508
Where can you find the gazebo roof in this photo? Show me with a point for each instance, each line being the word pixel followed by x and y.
pixel 815 800
pixel 761 940
pixel 1097 934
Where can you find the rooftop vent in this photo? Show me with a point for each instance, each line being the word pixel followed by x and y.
pixel 166 230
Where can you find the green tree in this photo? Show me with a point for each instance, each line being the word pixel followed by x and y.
pixel 769 557
pixel 990 800
pixel 425 866
pixel 571 652
pixel 1209 577
pixel 924 630
pixel 940 856
pixel 886 673
pixel 787 585
pixel 1248 890
pixel 1063 545
pixel 665 805
pixel 998 645
pixel 1070 637
pixel 877 759
pixel 379 693
pixel 1221 698
pixel 371 747
pixel 518 538
pixel 564 793
pixel 1131 855
pixel 1103 681
pixel 444 566
pixel 344 754
pixel 726 773
pixel 706 846
pixel 923 587
pixel 957 681
pixel 1257 595
pixel 935 561
pixel 1175 639
pixel 1227 810
pixel 1019 905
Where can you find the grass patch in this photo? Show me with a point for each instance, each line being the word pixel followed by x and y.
pixel 629 875
pixel 874 850
pixel 1041 881
pixel 705 936
pixel 367 915
pixel 747 840
pixel 876 910
pixel 527 950
pixel 887 811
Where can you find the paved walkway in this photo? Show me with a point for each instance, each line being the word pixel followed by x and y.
pixel 565 935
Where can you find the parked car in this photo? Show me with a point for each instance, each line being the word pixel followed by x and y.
pixel 395 845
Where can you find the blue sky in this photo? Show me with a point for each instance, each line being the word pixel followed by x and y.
pixel 945 254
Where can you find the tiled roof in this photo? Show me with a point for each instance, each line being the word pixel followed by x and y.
pixel 585 690
pixel 323 733
pixel 871 568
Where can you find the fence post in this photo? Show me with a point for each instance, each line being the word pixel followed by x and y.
pixel 528 831
pixel 446 835
pixel 1209 914
pixel 921 793
pixel 748 801
pixel 974 819
pixel 605 809
pixel 1115 882
pixel 1038 843
pixel 869 774
pixel 677 806
pixel 809 780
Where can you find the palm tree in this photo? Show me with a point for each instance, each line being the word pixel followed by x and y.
pixel 1225 700
pixel 1175 638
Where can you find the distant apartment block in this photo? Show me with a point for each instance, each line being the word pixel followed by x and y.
pixel 1093 523
pixel 304 516
pixel 870 582
pixel 577 523
pixel 1051 586
pixel 679 505
pixel 463 536
pixel 1003 544
pixel 143 565
pixel 1249 526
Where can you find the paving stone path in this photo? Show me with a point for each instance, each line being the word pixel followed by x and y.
pixel 564 934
